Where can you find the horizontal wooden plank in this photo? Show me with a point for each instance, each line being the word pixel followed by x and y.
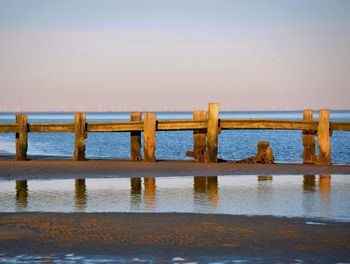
pixel 8 128
pixel 169 125
pixel 267 124
pixel 340 126
pixel 115 126
pixel 58 127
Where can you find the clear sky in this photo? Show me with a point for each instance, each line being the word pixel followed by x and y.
pixel 175 54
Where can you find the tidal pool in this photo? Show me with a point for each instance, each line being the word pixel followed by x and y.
pixel 319 196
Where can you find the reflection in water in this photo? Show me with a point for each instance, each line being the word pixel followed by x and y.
pixel 200 184
pixel 135 192
pixel 149 193
pixel 309 183
pixel 264 186
pixel 213 190
pixel 80 194
pixel 206 185
pixel 265 178
pixel 309 187
pixel 22 193
pixel 305 195
pixel 324 184
pixel 324 189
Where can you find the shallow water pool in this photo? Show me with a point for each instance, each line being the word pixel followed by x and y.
pixel 317 196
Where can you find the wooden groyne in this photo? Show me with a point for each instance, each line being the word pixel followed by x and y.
pixel 206 127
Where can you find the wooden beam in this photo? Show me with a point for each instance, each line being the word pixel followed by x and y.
pixel 149 137
pixel 309 155
pixel 199 137
pixel 58 127
pixel 79 128
pixel 212 133
pixel 115 126
pixel 340 126
pixel 168 125
pixel 267 124
pixel 324 144
pixel 8 128
pixel 135 138
pixel 22 136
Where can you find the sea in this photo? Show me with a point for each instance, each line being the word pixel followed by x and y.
pixel 172 145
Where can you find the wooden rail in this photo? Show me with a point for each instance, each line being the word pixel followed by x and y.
pixel 206 127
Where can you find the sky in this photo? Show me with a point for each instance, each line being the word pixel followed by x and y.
pixel 122 55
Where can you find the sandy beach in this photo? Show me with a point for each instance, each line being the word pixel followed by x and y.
pixel 66 169
pixel 168 235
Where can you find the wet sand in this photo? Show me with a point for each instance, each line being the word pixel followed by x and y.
pixel 167 235
pixel 67 169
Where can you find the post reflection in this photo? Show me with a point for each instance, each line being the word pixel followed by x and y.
pixel 208 186
pixel 309 183
pixel 135 192
pixel 324 184
pixel 213 191
pixel 324 188
pixel 22 193
pixel 309 188
pixel 265 178
pixel 264 188
pixel 200 184
pixel 80 194
pixel 149 193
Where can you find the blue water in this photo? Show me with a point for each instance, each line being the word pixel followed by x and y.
pixel 233 144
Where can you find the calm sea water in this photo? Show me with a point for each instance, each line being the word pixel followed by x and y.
pixel 233 145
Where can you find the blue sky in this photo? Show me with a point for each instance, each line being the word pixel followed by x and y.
pixel 180 54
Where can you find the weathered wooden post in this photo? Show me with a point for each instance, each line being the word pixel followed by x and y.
pixel 199 137
pixel 149 137
pixel 80 135
pixel 22 136
pixel 309 155
pixel 135 138
pixel 212 133
pixel 324 144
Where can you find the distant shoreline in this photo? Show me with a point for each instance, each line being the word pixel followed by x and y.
pixel 68 169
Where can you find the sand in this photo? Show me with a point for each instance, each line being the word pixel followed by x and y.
pixel 167 235
pixel 66 169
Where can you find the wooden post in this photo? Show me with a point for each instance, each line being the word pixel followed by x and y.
pixel 149 137
pixel 199 137
pixel 212 133
pixel 80 135
pixel 324 144
pixel 309 155
pixel 135 138
pixel 22 137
